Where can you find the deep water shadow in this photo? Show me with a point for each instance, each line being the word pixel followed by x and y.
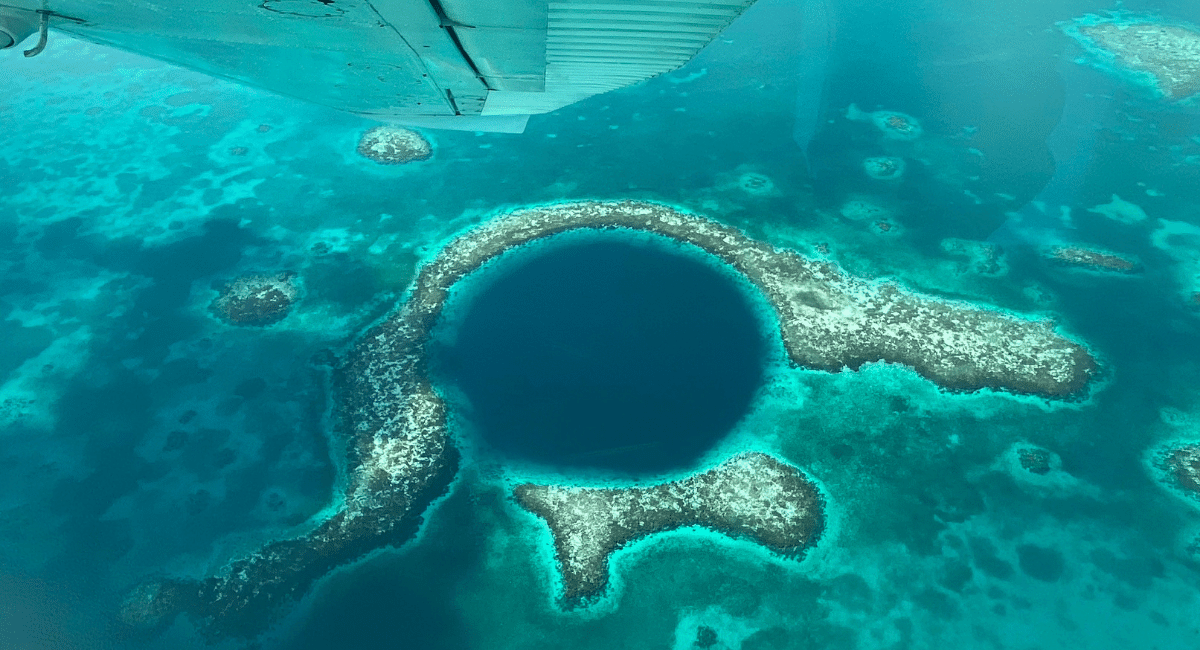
pixel 610 354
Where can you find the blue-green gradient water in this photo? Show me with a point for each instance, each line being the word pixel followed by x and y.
pixel 139 436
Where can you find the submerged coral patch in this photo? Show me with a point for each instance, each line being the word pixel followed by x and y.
pixel 861 208
pixel 984 258
pixel 884 168
pixel 1035 460
pixel 1092 259
pixel 256 299
pixel 392 145
pixel 752 496
pixel 756 184
pixel 1181 467
pixel 893 125
pixel 1167 55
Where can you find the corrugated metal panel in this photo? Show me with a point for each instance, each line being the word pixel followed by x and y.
pixel 594 47
pixel 396 58
pixel 506 40
pixel 340 54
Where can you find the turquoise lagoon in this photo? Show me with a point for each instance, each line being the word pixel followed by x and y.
pixel 140 436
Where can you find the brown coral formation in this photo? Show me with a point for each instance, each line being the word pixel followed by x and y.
pixel 750 496
pixel 1168 53
pixel 1182 466
pixel 1034 460
pixel 256 299
pixel 1092 259
pixel 391 145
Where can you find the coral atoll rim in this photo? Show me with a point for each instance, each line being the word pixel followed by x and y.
pixel 402 456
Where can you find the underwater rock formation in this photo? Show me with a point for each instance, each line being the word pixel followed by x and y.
pixel 884 168
pixel 1092 259
pixel 894 125
pixel 256 299
pixel 751 496
pixel 400 454
pixel 1035 460
pixel 1169 54
pixel 1181 466
pixel 756 184
pixel 391 145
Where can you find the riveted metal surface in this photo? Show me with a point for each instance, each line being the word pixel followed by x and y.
pixel 404 58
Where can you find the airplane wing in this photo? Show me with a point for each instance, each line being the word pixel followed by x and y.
pixel 439 63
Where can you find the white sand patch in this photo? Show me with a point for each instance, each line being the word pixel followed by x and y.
pixel 1179 239
pixel 728 632
pixel 1120 210
pixel 34 389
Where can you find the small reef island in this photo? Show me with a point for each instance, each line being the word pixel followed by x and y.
pixel 1091 259
pixel 401 454
pixel 392 145
pixel 751 496
pixel 256 299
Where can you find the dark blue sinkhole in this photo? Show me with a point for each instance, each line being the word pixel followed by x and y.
pixel 610 352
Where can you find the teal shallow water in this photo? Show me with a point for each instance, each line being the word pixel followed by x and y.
pixel 135 440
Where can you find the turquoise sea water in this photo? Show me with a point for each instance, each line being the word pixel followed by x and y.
pixel 139 436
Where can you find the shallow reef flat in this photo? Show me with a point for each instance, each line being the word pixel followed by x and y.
pixel 400 454
pixel 751 496
pixel 1169 54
